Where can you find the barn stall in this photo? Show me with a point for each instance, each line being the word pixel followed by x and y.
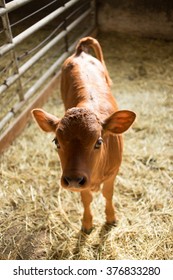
pixel 40 220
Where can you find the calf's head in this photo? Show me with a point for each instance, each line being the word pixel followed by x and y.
pixel 79 137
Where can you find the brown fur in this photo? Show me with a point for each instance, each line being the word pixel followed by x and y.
pixel 88 137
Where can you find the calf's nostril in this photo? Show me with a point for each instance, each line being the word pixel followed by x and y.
pixel 66 181
pixel 81 181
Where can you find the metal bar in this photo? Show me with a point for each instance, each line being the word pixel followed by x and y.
pixel 53 69
pixel 12 79
pixel 6 24
pixel 33 13
pixel 13 5
pixel 9 37
pixel 32 29
pixel 16 127
pixel 39 54
pixel 6 119
pixel 33 89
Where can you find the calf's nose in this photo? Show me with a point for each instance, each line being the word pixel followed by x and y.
pixel 74 181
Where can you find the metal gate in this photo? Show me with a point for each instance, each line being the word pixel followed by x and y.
pixel 35 38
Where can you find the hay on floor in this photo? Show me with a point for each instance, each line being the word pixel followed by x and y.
pixel 40 220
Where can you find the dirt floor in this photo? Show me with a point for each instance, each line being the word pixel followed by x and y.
pixel 40 220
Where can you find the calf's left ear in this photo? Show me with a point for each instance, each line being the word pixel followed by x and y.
pixel 119 121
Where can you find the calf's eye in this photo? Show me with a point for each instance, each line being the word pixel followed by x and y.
pixel 98 143
pixel 56 142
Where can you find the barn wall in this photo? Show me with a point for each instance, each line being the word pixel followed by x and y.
pixel 150 18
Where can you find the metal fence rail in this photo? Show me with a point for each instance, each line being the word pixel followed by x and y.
pixel 66 23
pixel 13 5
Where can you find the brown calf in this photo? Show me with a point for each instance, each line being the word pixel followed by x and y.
pixel 88 137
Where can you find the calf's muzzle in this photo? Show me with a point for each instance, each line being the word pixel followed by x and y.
pixel 74 181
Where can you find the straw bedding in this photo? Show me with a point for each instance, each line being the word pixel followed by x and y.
pixel 40 220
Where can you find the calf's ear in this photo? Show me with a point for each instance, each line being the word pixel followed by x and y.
pixel 119 121
pixel 47 122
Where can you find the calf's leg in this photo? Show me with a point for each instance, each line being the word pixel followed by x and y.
pixel 86 197
pixel 107 192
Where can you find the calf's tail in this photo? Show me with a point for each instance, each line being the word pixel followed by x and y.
pixel 89 42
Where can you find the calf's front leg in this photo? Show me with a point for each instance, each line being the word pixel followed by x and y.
pixel 86 197
pixel 107 192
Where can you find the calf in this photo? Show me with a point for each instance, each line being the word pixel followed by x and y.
pixel 89 136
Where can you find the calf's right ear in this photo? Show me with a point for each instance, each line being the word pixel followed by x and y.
pixel 47 122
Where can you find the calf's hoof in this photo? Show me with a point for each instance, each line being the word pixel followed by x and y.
pixel 86 231
pixel 112 224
